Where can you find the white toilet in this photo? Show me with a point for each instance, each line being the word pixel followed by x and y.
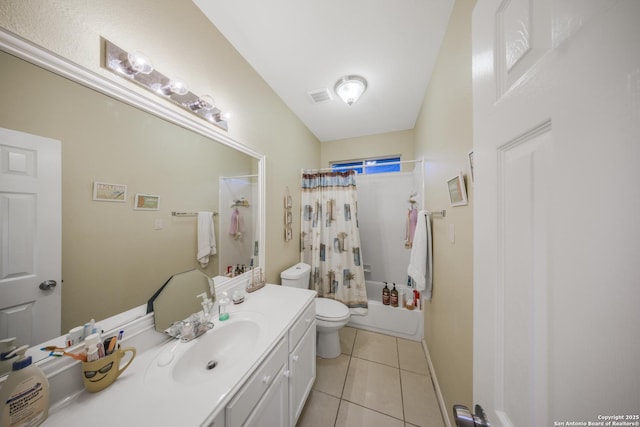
pixel 331 315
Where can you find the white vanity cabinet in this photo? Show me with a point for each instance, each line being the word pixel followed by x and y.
pixel 252 394
pixel 302 362
pixel 275 393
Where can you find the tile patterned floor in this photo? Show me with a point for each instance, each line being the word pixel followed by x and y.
pixel 378 380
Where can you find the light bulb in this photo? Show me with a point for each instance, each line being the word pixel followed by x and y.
pixel 176 86
pixel 135 63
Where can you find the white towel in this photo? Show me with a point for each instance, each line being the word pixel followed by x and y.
pixel 206 238
pixel 421 260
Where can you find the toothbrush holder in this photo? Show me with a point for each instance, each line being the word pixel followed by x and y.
pixel 101 373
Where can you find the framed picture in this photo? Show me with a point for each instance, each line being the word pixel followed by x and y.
pixel 470 158
pixel 457 191
pixel 147 202
pixel 106 192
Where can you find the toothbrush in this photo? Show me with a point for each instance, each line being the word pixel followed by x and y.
pixel 59 352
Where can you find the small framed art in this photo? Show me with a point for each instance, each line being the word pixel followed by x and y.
pixel 147 202
pixel 457 190
pixel 106 192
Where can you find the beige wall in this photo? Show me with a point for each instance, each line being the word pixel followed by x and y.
pixel 181 41
pixel 384 144
pixel 443 136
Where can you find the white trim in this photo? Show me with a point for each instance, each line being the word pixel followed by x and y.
pixel 436 386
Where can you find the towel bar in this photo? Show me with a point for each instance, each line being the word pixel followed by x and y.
pixel 174 213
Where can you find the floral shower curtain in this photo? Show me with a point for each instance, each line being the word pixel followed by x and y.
pixel 330 239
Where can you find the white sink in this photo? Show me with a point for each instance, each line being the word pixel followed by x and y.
pixel 211 357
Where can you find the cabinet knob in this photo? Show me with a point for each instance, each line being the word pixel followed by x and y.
pixel 287 373
pixel 295 357
pixel 266 379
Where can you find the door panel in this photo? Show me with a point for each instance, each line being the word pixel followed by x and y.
pixel 556 234
pixel 30 237
pixel 521 351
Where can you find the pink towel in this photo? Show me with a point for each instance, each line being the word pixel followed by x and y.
pixel 412 219
pixel 235 227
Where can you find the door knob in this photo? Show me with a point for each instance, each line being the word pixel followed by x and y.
pixel 47 285
pixel 464 418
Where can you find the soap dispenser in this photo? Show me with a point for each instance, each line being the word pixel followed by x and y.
pixel 25 393
pixel 394 296
pixel 385 294
pixel 222 306
pixel 7 346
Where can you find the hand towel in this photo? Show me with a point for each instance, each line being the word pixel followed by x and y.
pixel 206 238
pixel 421 260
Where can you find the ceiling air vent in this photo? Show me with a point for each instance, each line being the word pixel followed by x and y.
pixel 320 95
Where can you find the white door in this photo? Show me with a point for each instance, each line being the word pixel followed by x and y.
pixel 556 88
pixel 30 237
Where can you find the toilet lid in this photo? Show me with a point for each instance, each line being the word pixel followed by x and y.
pixel 328 309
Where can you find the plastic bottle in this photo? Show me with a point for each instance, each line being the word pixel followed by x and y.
pixel 25 393
pixel 386 295
pixel 7 346
pixel 394 296
pixel 91 342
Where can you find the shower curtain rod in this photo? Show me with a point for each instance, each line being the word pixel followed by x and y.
pixel 351 167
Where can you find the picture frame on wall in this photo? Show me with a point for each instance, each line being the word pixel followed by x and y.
pixel 457 190
pixel 470 159
pixel 107 192
pixel 146 202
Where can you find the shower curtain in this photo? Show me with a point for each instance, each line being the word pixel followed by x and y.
pixel 330 239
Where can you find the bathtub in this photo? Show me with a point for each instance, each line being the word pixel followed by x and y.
pixel 396 321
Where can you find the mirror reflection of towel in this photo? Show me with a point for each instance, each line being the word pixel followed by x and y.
pixel 236 224
pixel 206 238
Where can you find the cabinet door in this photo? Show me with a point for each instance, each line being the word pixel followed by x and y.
pixel 273 409
pixel 302 372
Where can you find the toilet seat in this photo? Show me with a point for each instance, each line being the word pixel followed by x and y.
pixel 331 311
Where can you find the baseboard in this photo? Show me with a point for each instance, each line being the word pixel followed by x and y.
pixel 436 386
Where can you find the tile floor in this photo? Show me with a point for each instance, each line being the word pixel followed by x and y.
pixel 378 380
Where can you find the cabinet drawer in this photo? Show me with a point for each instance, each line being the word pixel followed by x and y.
pixel 300 327
pixel 243 403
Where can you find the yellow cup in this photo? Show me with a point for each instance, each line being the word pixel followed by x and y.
pixel 100 374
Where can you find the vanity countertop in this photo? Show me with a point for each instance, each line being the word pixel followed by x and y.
pixel 141 396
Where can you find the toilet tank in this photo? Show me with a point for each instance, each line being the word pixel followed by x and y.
pixel 296 276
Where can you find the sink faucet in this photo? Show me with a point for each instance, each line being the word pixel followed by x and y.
pixel 187 330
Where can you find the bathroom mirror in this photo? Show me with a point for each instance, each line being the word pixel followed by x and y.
pixel 114 255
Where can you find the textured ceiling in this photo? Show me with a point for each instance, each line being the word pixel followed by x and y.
pixel 304 46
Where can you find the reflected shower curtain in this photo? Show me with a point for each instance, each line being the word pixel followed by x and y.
pixel 330 239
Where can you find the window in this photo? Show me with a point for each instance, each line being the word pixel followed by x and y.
pixel 369 166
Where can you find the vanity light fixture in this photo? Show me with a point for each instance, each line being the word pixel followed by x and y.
pixel 350 88
pixel 138 68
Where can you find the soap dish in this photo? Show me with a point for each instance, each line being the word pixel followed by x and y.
pixel 238 297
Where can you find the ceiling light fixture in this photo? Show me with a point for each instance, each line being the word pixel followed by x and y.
pixel 350 88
